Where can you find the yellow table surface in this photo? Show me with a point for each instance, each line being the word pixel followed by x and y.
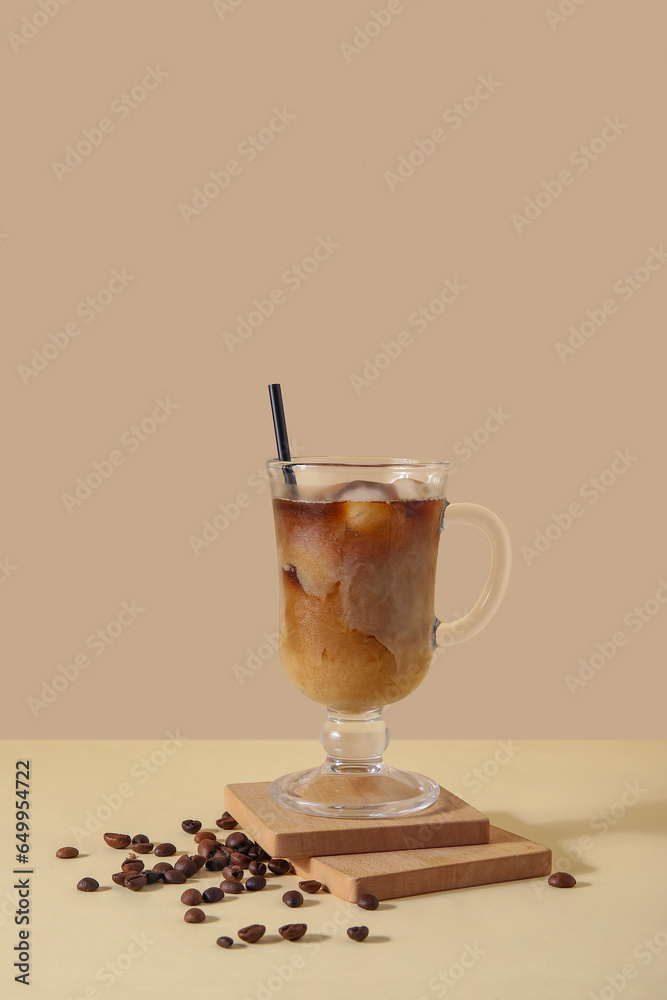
pixel 600 806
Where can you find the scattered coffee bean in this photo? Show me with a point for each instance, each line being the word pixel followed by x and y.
pixel 279 866
pixel 225 942
pixel 310 885
pixel 194 916
pixel 251 933
pixel 140 838
pixel 119 878
pixel 191 825
pixel 135 882
pixel 118 840
pixel 257 868
pixel 162 866
pixel 234 872
pixel 236 858
pixel 358 933
pixel 237 841
pixel 204 835
pixel 226 822
pixel 143 848
pixel 325 888
pixel 153 875
pixel 185 865
pixel 292 898
pixel 197 861
pixel 132 865
pixel 562 880
pixel 164 850
pixel 206 849
pixel 88 885
pixel 368 901
pixel 292 932
pixel 213 894
pixel 254 852
pixel 67 852
pixel 255 883
pixel 191 897
pixel 175 877
pixel 232 887
pixel 216 864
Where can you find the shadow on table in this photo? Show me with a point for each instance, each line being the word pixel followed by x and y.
pixel 569 840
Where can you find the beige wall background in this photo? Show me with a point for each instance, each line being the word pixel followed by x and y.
pixel 514 150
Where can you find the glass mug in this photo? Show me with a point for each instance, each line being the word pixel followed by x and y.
pixel 357 542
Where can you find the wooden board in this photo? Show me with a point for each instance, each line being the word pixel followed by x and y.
pixel 285 833
pixel 408 873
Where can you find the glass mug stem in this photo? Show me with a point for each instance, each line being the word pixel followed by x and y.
pixel 354 742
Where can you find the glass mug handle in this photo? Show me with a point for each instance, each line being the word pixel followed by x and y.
pixel 500 559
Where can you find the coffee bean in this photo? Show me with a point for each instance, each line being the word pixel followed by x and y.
pixel 162 866
pixel 358 933
pixel 325 888
pixel 216 864
pixel 234 872
pixel 132 865
pixel 257 868
pixel 226 822
pixel 225 942
pixel 143 848
pixel 191 897
pixel 236 858
pixel 232 887
pixel 206 848
pixel 255 883
pixel 67 852
pixel 197 861
pixel 194 916
pixel 88 885
pixel 251 933
pixel 135 882
pixel 191 825
pixel 368 901
pixel 164 850
pixel 562 880
pixel 292 898
pixel 140 838
pixel 310 885
pixel 292 932
pixel 279 866
pixel 175 877
pixel 204 835
pixel 118 840
pixel 119 878
pixel 213 894
pixel 153 875
pixel 254 852
pixel 237 841
pixel 185 865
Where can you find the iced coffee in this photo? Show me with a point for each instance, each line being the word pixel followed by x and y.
pixel 357 579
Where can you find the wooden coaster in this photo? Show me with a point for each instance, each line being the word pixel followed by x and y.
pixel 286 834
pixel 407 873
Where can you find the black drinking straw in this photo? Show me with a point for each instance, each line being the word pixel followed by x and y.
pixel 280 427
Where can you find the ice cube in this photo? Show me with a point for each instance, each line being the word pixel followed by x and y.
pixel 410 489
pixel 361 489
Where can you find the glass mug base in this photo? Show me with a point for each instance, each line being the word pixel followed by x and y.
pixel 354 781
pixel 355 791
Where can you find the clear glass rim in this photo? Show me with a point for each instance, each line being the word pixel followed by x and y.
pixel 337 461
